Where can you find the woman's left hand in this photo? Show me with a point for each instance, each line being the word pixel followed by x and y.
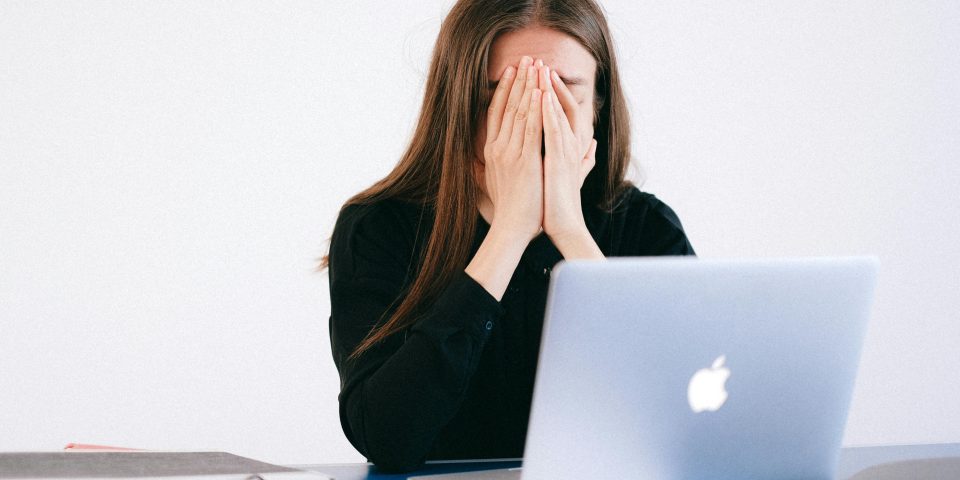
pixel 565 165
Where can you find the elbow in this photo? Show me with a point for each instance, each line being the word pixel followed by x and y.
pixel 393 448
pixel 387 445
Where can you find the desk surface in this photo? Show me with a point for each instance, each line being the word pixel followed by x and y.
pixel 852 460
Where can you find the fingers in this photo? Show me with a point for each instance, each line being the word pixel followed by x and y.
pixel 567 100
pixel 557 128
pixel 513 101
pixel 533 133
pixel 552 135
pixel 515 143
pixel 544 80
pixel 531 78
pixel 540 83
pixel 567 135
pixel 499 100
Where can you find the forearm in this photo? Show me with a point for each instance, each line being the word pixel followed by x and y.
pixel 578 245
pixel 496 260
pixel 399 395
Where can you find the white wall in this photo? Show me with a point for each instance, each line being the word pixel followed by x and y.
pixel 169 172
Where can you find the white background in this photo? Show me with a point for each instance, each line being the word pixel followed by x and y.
pixel 169 171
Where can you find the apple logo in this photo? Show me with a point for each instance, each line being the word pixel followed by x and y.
pixel 706 390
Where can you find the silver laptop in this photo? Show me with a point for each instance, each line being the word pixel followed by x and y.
pixel 684 367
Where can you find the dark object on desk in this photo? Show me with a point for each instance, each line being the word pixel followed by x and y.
pixel 946 468
pixel 503 474
pixel 366 471
pixel 128 464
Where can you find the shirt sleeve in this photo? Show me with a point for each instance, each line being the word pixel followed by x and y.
pixel 397 396
pixel 661 232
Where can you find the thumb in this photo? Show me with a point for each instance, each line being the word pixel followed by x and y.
pixel 591 157
pixel 589 160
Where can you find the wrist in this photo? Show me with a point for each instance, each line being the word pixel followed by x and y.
pixel 510 236
pixel 571 234
pixel 577 244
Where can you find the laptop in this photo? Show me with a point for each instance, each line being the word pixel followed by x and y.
pixel 684 367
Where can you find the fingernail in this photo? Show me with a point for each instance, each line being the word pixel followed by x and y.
pixel 556 77
pixel 539 62
pixel 508 72
pixel 525 61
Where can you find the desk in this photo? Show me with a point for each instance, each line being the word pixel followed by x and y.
pixel 852 460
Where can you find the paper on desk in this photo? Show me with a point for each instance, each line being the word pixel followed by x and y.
pixel 255 476
pixel 165 465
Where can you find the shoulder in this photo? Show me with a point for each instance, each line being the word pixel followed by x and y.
pixel 651 208
pixel 654 227
pixel 382 214
pixel 380 234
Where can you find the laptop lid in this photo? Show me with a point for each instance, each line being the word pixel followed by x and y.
pixel 683 367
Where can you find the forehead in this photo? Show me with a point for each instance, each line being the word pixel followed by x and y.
pixel 559 51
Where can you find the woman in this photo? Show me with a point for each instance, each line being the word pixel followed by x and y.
pixel 438 272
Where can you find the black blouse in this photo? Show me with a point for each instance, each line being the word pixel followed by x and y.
pixel 458 383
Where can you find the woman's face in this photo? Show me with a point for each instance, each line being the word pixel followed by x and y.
pixel 563 54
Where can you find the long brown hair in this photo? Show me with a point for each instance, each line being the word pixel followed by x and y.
pixel 437 167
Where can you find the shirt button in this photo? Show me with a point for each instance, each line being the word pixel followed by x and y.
pixel 546 271
pixel 489 325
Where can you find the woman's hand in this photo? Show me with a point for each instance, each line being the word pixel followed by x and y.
pixel 513 170
pixel 565 164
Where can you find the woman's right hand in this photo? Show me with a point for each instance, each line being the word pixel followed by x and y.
pixel 513 165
